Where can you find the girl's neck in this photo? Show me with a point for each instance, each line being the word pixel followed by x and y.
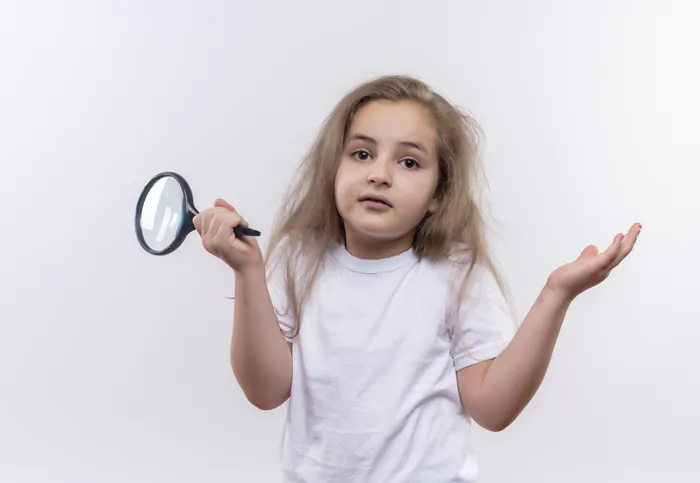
pixel 373 249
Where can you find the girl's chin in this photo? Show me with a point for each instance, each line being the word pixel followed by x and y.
pixel 373 229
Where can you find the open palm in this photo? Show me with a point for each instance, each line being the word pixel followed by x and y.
pixel 591 268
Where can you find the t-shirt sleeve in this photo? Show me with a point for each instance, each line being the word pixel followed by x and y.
pixel 276 285
pixel 485 324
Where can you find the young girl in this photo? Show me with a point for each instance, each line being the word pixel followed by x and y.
pixel 377 310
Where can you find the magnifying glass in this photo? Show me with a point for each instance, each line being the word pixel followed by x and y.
pixel 164 214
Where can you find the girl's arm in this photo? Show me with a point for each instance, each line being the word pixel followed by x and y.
pixel 261 358
pixel 495 392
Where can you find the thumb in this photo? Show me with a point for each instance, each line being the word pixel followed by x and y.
pixel 221 203
pixel 197 222
pixel 589 251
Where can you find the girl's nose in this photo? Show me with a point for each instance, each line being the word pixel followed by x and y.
pixel 379 173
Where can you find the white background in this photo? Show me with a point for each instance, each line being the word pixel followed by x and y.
pixel 114 363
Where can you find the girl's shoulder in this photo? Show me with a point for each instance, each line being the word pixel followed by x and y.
pixel 294 254
pixel 459 254
pixel 461 265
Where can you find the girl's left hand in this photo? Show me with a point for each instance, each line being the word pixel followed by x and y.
pixel 591 268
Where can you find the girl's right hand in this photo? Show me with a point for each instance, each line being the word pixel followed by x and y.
pixel 215 226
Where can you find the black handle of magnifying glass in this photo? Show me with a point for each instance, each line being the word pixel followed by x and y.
pixel 245 231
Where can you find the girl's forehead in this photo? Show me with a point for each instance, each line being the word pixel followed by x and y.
pixel 393 121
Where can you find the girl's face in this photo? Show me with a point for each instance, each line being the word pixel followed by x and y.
pixel 390 154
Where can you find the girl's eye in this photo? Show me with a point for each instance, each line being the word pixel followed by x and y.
pixel 361 155
pixel 411 163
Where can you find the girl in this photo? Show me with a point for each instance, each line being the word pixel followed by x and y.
pixel 377 309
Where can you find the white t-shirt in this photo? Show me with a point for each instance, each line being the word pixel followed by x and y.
pixel 374 393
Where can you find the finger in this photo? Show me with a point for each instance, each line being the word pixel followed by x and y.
pixel 224 235
pixel 609 255
pixel 204 218
pixel 628 243
pixel 197 222
pixel 218 215
pixel 211 218
pixel 224 204
pixel 209 221
pixel 588 252
pixel 226 219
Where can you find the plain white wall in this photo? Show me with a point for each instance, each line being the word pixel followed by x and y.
pixel 114 363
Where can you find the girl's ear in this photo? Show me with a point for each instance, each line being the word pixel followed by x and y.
pixel 434 205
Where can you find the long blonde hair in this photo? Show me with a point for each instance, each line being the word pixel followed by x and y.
pixel 308 223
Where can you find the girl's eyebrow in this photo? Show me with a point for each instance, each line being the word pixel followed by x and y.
pixel 411 144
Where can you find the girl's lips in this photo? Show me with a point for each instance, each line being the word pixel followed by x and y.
pixel 375 205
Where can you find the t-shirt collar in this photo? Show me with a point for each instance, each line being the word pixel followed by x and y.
pixel 373 266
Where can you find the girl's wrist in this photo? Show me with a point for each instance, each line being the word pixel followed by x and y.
pixel 557 295
pixel 250 271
